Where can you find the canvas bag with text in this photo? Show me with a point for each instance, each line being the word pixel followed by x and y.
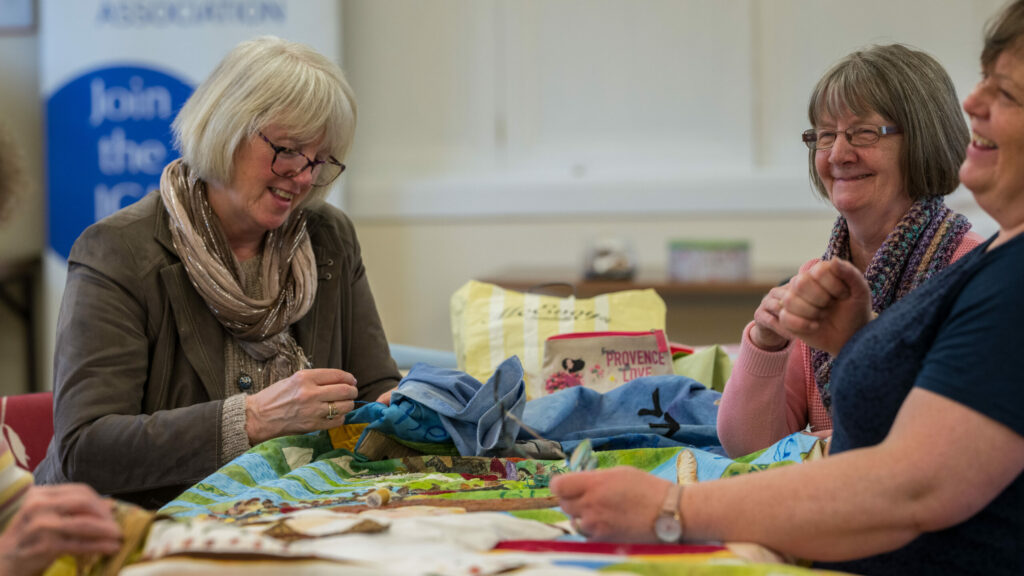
pixel 489 324
pixel 604 361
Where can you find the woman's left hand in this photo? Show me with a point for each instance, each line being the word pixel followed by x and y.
pixel 618 504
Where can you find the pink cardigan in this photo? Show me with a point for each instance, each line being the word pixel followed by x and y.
pixel 770 395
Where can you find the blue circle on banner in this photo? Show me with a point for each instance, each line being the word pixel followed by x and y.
pixel 108 135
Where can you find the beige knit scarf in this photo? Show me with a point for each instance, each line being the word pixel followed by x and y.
pixel 288 273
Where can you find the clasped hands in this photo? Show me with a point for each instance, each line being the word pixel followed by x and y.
pixel 823 306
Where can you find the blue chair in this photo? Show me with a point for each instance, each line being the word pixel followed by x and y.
pixel 405 356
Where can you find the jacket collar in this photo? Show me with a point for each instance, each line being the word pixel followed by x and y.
pixel 162 228
pixel 315 331
pixel 201 336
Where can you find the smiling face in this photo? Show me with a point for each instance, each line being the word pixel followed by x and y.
pixel 862 179
pixel 257 200
pixel 994 168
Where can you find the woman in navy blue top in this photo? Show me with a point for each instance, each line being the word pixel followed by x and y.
pixel 925 471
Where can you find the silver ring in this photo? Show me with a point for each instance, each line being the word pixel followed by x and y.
pixel 331 411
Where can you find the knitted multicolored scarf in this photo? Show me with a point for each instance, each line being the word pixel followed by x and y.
pixel 921 245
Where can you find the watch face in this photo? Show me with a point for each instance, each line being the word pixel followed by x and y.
pixel 668 529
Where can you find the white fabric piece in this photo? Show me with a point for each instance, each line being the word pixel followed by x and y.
pixel 296 456
pixel 432 540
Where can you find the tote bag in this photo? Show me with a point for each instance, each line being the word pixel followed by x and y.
pixel 489 324
pixel 604 361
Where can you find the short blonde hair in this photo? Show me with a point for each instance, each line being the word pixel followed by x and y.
pixel 910 89
pixel 265 81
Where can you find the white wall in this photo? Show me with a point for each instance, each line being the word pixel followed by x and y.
pixel 497 107
pixel 501 134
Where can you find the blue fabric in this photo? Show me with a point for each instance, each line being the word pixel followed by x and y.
pixel 794 448
pixel 434 404
pixel 407 420
pixel 654 411
pixel 956 335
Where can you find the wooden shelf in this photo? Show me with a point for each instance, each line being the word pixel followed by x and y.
pixel 697 313
pixel 539 281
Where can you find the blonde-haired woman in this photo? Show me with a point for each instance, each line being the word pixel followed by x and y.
pixel 228 308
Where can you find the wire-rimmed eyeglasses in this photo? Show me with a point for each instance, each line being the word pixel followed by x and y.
pixel 862 135
pixel 288 163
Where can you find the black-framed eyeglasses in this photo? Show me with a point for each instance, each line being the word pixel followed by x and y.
pixel 863 135
pixel 288 163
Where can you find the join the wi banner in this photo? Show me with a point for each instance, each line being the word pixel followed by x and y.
pixel 114 75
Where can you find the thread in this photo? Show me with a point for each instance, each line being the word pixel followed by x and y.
pixel 378 497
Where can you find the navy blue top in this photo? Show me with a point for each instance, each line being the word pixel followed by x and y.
pixel 958 335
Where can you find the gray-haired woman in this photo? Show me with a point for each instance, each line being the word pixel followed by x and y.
pixel 232 306
pixel 887 141
pixel 926 474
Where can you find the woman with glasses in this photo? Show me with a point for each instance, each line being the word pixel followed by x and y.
pixel 887 140
pixel 228 308
pixel 926 472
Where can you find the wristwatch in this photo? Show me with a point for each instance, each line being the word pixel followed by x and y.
pixel 668 525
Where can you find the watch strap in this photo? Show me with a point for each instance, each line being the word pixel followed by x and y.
pixel 670 512
pixel 670 507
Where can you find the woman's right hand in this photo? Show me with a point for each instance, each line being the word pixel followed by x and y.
pixel 618 504
pixel 767 332
pixel 300 403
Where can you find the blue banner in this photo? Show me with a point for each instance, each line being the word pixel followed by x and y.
pixel 115 74
pixel 108 140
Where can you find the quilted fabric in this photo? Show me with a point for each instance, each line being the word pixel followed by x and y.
pixel 304 497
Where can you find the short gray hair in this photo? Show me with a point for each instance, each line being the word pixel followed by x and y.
pixel 265 81
pixel 910 89
pixel 1003 32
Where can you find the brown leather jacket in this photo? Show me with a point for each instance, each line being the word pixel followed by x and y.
pixel 139 363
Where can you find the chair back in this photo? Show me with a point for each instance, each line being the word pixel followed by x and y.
pixel 26 424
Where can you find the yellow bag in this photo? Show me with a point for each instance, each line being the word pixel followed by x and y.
pixel 489 324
